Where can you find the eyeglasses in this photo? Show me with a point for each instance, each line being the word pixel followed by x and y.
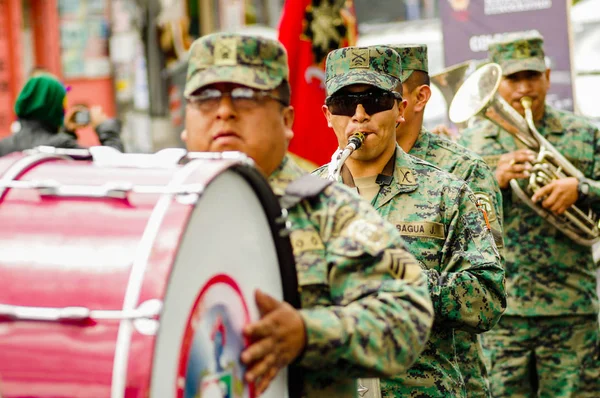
pixel 374 101
pixel 242 98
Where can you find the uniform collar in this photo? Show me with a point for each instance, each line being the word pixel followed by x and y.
pixel 286 173
pixel 421 145
pixel 550 122
pixel 403 179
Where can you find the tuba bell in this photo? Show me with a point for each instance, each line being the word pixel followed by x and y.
pixel 450 79
pixel 478 97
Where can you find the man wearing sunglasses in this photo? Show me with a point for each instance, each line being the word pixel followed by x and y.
pixel 436 213
pixel 414 139
pixel 365 306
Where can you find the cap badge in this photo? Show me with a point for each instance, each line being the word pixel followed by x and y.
pixel 226 51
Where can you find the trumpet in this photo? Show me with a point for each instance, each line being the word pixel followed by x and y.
pixel 478 96
pixel 354 142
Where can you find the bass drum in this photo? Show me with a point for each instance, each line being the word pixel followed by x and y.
pixel 130 275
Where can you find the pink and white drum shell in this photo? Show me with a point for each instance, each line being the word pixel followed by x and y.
pixel 131 275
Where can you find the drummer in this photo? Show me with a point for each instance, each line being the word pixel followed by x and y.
pixel 365 310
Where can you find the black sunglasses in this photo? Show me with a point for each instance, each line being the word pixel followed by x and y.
pixel 374 101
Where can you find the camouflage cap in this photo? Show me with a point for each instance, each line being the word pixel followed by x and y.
pixel 253 61
pixel 413 57
pixel 519 55
pixel 376 65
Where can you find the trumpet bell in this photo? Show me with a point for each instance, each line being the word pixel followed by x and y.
pixel 475 93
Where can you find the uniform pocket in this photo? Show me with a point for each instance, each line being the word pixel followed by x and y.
pixel 311 268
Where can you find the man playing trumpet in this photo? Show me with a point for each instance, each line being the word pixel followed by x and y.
pixel 435 212
pixel 547 343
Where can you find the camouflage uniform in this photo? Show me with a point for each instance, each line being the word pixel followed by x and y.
pixel 364 298
pixel 550 326
pixel 438 217
pixel 469 167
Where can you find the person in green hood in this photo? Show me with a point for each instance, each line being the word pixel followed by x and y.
pixel 40 108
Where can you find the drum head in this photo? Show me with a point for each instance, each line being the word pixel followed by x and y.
pixel 226 253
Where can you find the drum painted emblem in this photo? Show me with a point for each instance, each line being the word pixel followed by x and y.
pixel 209 365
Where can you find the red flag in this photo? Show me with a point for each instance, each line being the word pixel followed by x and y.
pixel 309 30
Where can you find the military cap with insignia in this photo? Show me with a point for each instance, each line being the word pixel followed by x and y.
pixel 253 61
pixel 376 65
pixel 520 54
pixel 413 57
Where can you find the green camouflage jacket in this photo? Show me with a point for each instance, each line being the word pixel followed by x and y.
pixel 471 168
pixel 467 166
pixel 364 298
pixel 438 218
pixel 547 273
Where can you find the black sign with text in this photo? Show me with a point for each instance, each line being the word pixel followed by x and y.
pixel 469 26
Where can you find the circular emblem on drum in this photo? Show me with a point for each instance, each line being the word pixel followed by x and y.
pixel 209 365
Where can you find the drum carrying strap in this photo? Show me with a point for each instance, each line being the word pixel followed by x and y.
pixel 306 187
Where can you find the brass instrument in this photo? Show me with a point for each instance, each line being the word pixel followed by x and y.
pixel 478 96
pixel 450 79
pixel 354 142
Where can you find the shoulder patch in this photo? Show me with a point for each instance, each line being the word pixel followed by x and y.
pixel 480 207
pixel 484 200
pixel 366 233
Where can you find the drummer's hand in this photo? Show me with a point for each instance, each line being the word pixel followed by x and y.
pixel 276 340
pixel 514 165
pixel 559 195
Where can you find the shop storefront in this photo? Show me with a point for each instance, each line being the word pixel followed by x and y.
pixel 69 38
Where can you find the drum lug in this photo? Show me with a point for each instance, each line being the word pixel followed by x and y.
pixel 148 310
pixel 77 154
pixel 186 194
pixel 369 388
pixel 283 223
pixel 283 217
pixel 110 190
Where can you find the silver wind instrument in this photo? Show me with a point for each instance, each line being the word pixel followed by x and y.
pixel 354 142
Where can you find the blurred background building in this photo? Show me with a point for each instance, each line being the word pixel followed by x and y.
pixel 129 56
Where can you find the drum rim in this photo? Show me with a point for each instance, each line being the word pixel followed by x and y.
pixel 285 257
pixel 283 246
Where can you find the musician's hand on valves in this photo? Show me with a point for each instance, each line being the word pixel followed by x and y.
pixel 558 195
pixel 514 165
pixel 276 340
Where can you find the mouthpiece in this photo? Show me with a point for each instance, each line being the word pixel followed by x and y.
pixel 526 102
pixel 356 140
